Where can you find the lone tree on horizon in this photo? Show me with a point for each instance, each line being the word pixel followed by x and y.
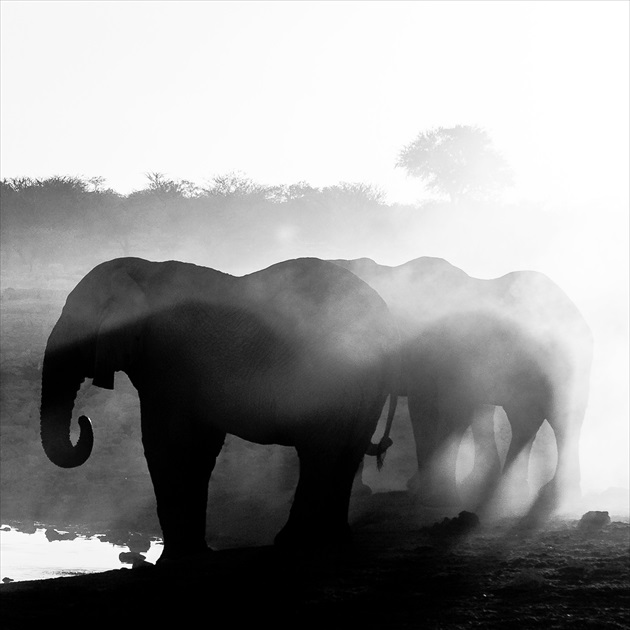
pixel 457 161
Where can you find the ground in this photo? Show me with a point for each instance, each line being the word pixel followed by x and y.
pixel 407 568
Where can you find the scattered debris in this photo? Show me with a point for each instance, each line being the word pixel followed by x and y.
pixel 593 521
pixel 462 524
pixel 27 527
pixel 133 558
pixel 52 534
pixel 136 542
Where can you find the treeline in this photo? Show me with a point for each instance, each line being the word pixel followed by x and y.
pixel 68 224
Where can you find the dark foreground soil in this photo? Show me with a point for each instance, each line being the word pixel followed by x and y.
pixel 398 574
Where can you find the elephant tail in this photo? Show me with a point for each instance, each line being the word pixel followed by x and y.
pixel 379 450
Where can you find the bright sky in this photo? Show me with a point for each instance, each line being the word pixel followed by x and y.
pixel 316 91
pixel 331 91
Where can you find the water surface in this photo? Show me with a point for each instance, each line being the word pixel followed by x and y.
pixel 32 557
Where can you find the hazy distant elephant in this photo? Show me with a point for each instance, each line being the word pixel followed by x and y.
pixel 516 341
pixel 296 354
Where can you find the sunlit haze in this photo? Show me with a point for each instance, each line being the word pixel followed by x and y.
pixel 329 92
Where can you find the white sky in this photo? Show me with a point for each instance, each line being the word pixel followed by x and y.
pixel 316 91
pixel 331 91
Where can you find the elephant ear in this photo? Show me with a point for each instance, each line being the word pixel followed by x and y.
pixel 120 328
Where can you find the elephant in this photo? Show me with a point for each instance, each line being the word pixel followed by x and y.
pixel 470 344
pixel 297 354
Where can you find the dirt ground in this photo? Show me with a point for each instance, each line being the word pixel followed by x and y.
pixel 407 568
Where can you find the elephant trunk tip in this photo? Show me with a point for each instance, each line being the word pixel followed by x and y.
pixel 86 441
pixel 65 455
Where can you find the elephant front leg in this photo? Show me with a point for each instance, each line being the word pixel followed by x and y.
pixel 424 423
pixel 180 463
pixel 486 470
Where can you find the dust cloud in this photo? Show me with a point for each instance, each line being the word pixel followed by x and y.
pixel 582 249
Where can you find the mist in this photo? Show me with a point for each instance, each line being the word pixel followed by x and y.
pixel 261 152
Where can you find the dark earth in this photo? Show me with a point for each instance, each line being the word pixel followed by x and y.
pixel 407 568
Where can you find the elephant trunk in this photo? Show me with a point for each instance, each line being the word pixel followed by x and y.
pixel 61 379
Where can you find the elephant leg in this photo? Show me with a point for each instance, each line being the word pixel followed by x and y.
pixel 319 514
pixel 487 463
pixel 181 455
pixel 564 487
pixel 424 423
pixel 451 429
pixel 525 426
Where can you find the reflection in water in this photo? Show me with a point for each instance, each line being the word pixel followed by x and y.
pixel 33 557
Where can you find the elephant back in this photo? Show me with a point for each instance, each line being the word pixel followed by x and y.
pixel 324 304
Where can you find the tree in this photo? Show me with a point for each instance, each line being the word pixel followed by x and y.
pixel 167 189
pixel 458 161
pixel 355 193
pixel 236 185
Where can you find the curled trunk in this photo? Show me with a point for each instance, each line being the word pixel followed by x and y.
pixel 61 379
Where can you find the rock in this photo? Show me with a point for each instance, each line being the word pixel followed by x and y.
pixel 52 534
pixel 7 580
pixel 27 528
pixel 138 543
pixel 462 524
pixel 136 560
pixel 593 521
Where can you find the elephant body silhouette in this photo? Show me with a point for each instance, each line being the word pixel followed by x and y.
pixel 297 354
pixel 470 344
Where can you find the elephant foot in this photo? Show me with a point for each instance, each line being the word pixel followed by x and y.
pixel 559 498
pixel 476 490
pixel 546 503
pixel 510 500
pixel 478 480
pixel 185 559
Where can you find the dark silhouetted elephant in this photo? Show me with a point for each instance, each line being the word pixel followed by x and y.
pixel 469 344
pixel 296 354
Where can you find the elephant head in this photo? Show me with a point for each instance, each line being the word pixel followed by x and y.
pixel 97 334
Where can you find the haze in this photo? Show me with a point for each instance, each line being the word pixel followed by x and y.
pixel 326 92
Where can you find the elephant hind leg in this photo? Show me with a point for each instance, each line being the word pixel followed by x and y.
pixel 424 418
pixel 515 491
pixel 319 514
pixel 487 464
pixel 563 489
